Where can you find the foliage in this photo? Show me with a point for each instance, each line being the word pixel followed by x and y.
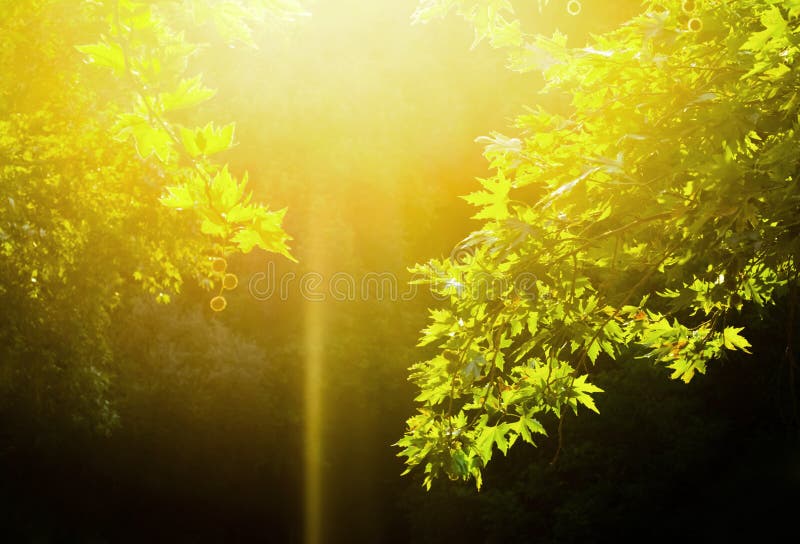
pixel 639 223
pixel 627 471
pixel 81 228
pixel 147 45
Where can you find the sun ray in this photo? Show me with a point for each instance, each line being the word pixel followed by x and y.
pixel 312 392
pixel 313 415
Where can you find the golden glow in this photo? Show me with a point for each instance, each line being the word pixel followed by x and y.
pixel 364 127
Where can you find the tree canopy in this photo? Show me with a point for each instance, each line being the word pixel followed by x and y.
pixel 652 219
pixel 96 166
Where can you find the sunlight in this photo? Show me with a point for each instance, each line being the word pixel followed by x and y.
pixel 314 334
pixel 314 337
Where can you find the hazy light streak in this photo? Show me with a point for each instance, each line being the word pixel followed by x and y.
pixel 313 414
pixel 312 392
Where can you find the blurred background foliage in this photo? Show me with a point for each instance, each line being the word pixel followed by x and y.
pixel 122 419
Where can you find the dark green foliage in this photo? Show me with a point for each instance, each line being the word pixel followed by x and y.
pixel 637 224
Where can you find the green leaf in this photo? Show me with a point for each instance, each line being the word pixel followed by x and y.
pixel 214 228
pixel 527 425
pixel 489 437
pixel 207 140
pixel 188 138
pixel 179 196
pixel 247 239
pixel 593 350
pixel 218 138
pixel 494 200
pixel 242 213
pixel 582 392
pixel 148 139
pixel 109 55
pixel 685 368
pixel 266 233
pixel 732 340
pixel 774 27
pixel 189 93
pixel 226 193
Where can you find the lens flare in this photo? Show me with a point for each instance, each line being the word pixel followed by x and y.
pixel 695 24
pixel 230 281
pixel 218 303
pixel 219 265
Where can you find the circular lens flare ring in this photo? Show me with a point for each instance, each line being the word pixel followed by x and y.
pixel 230 281
pixel 694 25
pixel 218 303
pixel 219 265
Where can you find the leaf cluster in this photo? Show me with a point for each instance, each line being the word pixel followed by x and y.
pixel 636 224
